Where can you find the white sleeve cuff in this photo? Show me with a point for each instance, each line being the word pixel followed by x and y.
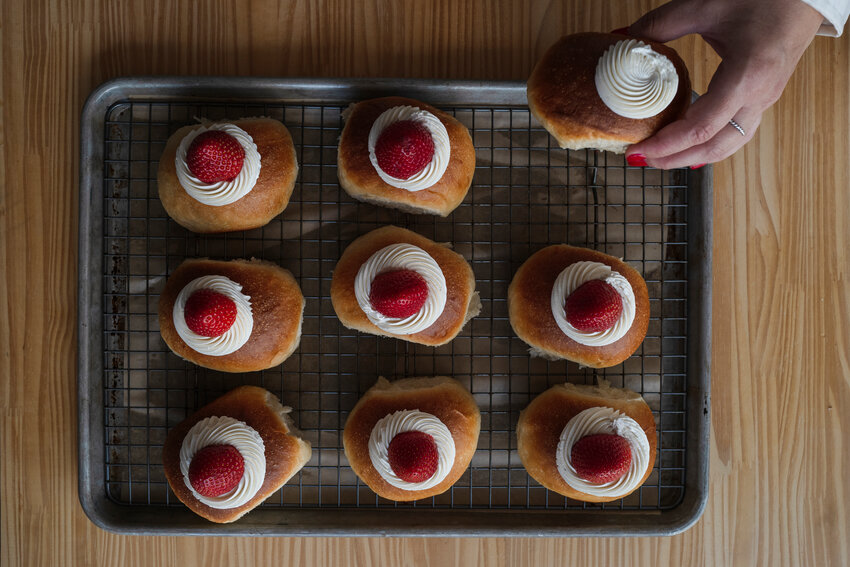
pixel 834 14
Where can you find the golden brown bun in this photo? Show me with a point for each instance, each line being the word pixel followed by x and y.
pixel 265 201
pixel 358 177
pixel 462 301
pixel 440 396
pixel 285 451
pixel 562 96
pixel 530 309
pixel 276 305
pixel 541 423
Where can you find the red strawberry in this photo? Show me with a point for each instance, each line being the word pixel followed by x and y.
pixel 404 148
pixel 209 313
pixel 398 293
pixel 216 470
pixel 601 458
pixel 413 456
pixel 215 156
pixel 594 306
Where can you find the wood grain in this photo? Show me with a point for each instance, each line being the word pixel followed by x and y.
pixel 781 316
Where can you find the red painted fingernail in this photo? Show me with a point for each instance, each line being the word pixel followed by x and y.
pixel 636 160
pixel 697 166
pixel 621 31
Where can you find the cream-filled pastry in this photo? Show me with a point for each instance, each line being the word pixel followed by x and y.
pixel 228 175
pixel 405 154
pixel 230 455
pixel 607 91
pixel 412 438
pixel 235 316
pixel 579 304
pixel 396 283
pixel 591 443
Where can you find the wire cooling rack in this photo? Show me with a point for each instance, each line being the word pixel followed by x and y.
pixel 526 194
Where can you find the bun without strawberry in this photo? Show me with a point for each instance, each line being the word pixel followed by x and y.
pixel 266 200
pixel 359 178
pixel 462 302
pixel 285 450
pixel 442 397
pixel 277 307
pixel 530 310
pixel 562 95
pixel 541 423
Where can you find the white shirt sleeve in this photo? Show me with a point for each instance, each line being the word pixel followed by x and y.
pixel 834 14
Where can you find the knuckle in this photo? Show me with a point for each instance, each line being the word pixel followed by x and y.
pixel 716 153
pixel 650 23
pixel 772 94
pixel 664 164
pixel 765 78
pixel 751 131
pixel 669 163
pixel 700 134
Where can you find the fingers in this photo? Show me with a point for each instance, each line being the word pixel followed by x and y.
pixel 668 22
pixel 725 143
pixel 760 45
pixel 703 120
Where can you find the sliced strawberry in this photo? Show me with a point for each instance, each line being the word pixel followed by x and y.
pixel 404 148
pixel 209 313
pixel 215 156
pixel 398 293
pixel 601 458
pixel 216 470
pixel 413 456
pixel 594 306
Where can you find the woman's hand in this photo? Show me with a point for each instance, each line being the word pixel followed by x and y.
pixel 760 42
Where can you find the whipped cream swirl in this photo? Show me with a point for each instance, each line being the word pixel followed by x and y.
pixel 402 256
pixel 571 279
pixel 232 339
pixel 223 192
pixel 411 420
pixel 604 420
pixel 435 169
pixel 634 81
pixel 227 431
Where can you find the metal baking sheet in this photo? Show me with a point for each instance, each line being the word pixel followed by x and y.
pixel 527 193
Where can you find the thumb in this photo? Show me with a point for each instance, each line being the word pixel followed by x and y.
pixel 668 22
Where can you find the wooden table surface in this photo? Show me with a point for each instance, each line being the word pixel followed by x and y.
pixel 781 318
